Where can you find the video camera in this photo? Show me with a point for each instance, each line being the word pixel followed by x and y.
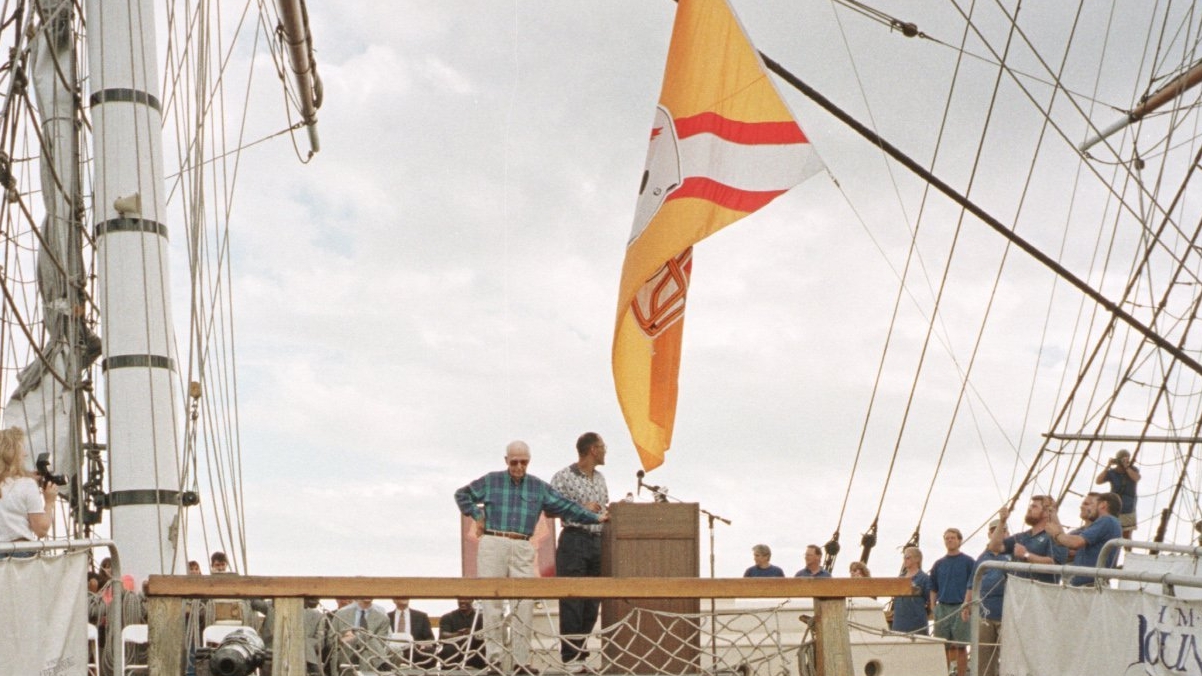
pixel 47 475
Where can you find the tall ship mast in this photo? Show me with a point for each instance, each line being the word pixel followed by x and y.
pixel 140 425
pixel 131 229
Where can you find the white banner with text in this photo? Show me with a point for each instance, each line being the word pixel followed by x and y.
pixel 1053 631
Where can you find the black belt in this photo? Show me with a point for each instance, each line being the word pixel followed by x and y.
pixel 578 529
pixel 507 534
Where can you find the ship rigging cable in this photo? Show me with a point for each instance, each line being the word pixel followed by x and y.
pixel 984 216
pixel 1115 310
pixel 913 254
pixel 38 324
pixel 965 376
pixel 965 372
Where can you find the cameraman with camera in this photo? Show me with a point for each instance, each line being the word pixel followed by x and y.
pixel 1122 476
pixel 26 511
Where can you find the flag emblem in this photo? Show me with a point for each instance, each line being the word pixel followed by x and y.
pixel 660 301
pixel 722 145
pixel 661 175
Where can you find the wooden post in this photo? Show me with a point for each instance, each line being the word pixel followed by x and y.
pixel 288 653
pixel 832 643
pixel 165 615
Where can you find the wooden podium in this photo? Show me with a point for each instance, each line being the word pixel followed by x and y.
pixel 651 540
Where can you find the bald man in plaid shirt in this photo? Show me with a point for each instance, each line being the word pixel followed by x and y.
pixel 505 506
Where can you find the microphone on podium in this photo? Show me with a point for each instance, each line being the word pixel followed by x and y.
pixel 640 474
pixel 661 493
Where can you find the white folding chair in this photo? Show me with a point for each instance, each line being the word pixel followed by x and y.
pixel 137 634
pixel 93 650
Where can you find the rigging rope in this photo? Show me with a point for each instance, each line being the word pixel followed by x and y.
pixel 1113 308
pixel 868 539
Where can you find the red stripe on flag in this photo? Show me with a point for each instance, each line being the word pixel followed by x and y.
pixel 724 195
pixel 748 133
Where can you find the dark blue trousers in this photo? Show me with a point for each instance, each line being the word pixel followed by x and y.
pixel 578 555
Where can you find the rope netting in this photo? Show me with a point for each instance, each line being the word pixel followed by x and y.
pixel 721 643
pixel 762 641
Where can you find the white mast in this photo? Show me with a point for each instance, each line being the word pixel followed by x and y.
pixel 129 211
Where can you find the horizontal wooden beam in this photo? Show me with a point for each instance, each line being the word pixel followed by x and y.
pixel 253 586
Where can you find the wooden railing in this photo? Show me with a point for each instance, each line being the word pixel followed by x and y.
pixel 165 610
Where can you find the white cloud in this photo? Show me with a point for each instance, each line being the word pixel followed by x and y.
pixel 442 278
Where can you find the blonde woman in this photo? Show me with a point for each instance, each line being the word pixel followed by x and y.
pixel 25 511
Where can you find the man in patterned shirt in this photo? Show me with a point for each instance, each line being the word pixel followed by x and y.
pixel 505 506
pixel 579 551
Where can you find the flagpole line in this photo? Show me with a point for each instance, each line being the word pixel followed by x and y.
pixel 980 213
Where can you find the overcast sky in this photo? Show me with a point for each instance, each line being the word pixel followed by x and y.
pixel 441 279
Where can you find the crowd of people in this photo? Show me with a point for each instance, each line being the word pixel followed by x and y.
pixel 505 507
pixel 360 635
pixel 942 597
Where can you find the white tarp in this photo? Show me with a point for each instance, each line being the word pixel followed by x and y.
pixel 44 411
pixel 1164 562
pixel 44 615
pixel 1058 631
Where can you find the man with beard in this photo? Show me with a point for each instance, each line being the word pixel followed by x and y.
pixel 1033 545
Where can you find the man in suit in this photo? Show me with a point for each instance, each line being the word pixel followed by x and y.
pixel 361 628
pixel 417 624
pixel 460 643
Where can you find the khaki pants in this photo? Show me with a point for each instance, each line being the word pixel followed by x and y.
pixel 503 557
pixel 991 647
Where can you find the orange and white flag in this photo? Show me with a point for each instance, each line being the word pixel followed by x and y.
pixel 723 144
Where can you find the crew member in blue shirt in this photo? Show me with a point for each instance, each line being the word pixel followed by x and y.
pixel 1033 545
pixel 910 612
pixel 1122 476
pixel 813 564
pixel 993 591
pixel 763 566
pixel 1100 511
pixel 951 596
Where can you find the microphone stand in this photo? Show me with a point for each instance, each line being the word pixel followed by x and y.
pixel 661 495
pixel 713 607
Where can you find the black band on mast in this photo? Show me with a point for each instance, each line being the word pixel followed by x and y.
pixel 124 96
pixel 125 361
pixel 980 213
pixel 142 497
pixel 129 225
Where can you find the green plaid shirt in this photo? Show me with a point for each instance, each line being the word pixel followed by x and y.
pixel 514 507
